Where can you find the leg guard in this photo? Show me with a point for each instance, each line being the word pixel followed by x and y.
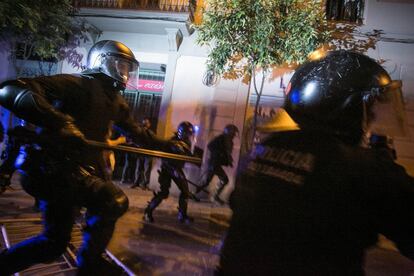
pixel 155 201
pixel 96 237
pixel 165 183
pixel 103 198
pixel 45 247
pixel 183 199
pixel 183 204
pixel 182 211
pixel 39 249
pixel 105 203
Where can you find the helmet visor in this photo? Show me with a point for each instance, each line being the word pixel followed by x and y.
pixel 123 70
pixel 386 114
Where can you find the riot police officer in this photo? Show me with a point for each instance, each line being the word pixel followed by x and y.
pixel 61 170
pixel 220 148
pixel 21 135
pixel 173 170
pixel 310 199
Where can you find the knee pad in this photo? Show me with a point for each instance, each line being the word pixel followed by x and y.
pixel 104 198
pixel 118 206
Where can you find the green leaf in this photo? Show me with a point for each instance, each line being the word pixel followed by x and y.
pixel 264 33
pixel 46 25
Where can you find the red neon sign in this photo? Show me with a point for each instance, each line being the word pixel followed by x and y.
pixel 151 85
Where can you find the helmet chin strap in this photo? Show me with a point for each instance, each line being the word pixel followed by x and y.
pixel 115 83
pixel 119 85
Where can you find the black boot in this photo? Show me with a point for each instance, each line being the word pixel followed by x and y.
pixel 182 209
pixel 184 218
pixel 155 201
pixel 148 215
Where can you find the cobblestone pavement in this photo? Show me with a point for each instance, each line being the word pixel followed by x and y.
pixel 167 247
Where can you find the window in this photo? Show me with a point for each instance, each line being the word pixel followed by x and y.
pixel 146 101
pixel 345 10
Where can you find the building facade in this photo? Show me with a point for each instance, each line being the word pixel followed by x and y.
pixel 173 66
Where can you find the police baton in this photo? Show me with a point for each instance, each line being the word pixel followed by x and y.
pixel 32 136
pixel 154 153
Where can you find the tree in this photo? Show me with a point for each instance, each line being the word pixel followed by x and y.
pixel 45 29
pixel 249 36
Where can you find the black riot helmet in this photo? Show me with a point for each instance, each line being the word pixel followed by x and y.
pixel 336 93
pixel 185 130
pixel 231 130
pixel 115 60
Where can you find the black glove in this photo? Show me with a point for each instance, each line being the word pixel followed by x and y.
pixel 180 147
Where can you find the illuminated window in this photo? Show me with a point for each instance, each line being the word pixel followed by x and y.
pixel 345 10
pixel 146 101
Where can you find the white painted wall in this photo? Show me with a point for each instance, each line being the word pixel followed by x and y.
pixel 396 19
pixel 392 16
pixel 139 42
pixel 188 91
pixel 189 102
pixel 211 108
pixel 147 48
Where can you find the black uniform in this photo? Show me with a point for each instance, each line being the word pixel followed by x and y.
pixel 220 148
pixel 173 170
pixel 307 204
pixel 17 137
pixel 1 133
pixel 67 177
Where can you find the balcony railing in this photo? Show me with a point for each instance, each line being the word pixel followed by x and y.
pixel 345 10
pixel 150 5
